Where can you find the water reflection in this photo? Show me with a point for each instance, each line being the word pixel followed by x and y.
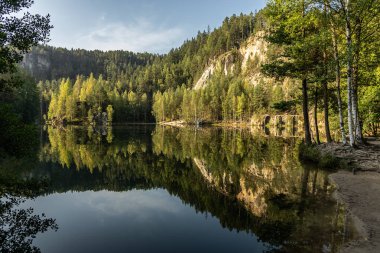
pixel 19 225
pixel 246 181
pixel 290 202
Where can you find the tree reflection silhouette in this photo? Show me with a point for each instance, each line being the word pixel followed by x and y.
pixel 19 226
pixel 249 181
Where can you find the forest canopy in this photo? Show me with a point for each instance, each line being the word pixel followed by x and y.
pixel 321 62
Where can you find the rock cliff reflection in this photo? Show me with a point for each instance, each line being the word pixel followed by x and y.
pixel 151 189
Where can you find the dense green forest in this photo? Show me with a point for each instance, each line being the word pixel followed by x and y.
pixel 307 58
pixel 318 59
pixel 129 84
pixel 314 43
pixel 88 97
pixel 322 42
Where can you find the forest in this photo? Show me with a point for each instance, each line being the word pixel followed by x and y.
pixel 129 83
pixel 330 51
pixel 320 59
pixel 89 121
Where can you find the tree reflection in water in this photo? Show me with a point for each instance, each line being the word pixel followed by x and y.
pixel 249 181
pixel 19 226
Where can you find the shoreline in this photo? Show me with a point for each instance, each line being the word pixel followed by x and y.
pixel 359 191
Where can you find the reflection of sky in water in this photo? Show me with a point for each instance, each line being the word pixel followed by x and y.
pixel 133 221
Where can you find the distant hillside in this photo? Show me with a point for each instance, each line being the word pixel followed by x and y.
pixel 48 63
pixel 130 82
pixel 181 65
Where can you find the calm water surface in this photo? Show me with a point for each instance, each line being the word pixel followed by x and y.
pixel 162 189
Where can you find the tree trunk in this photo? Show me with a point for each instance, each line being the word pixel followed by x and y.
pixel 305 102
pixel 349 74
pixel 326 111
pixel 355 85
pixel 338 80
pixel 305 109
pixel 304 191
pixel 324 82
pixel 316 116
pixel 355 111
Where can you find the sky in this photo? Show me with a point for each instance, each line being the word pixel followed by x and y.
pixel 154 26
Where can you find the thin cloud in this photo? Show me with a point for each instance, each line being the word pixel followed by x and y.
pixel 139 36
pixel 136 203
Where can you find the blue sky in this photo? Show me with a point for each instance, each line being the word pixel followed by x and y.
pixel 136 25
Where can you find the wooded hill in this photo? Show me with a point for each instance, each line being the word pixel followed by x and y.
pixel 126 89
pixel 292 57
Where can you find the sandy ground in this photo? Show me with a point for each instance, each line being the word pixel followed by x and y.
pixel 361 193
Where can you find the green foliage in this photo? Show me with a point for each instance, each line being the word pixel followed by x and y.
pixel 18 113
pixel 308 152
pixel 89 97
pixel 19 33
pixel 370 109
pixel 284 106
pixel 143 86
pixel 109 113
pixel 295 27
pixel 145 71
pixel 130 80
pixel 90 115
pixel 18 91
pixel 16 138
pixel 225 98
pixel 22 95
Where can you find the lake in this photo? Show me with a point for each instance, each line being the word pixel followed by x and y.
pixel 163 189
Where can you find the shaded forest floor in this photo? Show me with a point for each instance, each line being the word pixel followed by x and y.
pixel 360 191
pixel 362 158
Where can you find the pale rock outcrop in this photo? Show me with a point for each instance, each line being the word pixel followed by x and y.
pixel 255 49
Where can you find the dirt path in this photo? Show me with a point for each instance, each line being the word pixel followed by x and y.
pixel 361 193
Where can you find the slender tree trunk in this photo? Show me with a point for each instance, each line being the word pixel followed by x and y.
pixel 304 191
pixel 324 83
pixel 355 110
pixel 305 102
pixel 326 111
pixel 355 85
pixel 305 109
pixel 349 74
pixel 338 80
pixel 316 115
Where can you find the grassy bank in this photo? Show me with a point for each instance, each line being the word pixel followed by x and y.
pixel 327 160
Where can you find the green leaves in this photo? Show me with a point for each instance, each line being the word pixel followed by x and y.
pixel 19 34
